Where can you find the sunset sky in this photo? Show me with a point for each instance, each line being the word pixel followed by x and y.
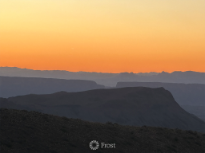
pixel 103 35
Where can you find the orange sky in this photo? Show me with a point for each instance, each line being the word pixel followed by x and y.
pixel 103 35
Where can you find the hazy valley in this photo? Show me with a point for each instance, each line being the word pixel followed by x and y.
pixel 190 97
pixel 167 109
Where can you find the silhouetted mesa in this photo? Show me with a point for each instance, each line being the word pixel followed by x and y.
pixel 191 97
pixel 128 106
pixel 14 86
pixel 184 94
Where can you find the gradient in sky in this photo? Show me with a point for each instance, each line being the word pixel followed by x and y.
pixel 103 35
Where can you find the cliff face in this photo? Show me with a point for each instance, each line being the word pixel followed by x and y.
pixel 184 94
pixel 30 132
pixel 14 86
pixel 129 106
pixel 190 97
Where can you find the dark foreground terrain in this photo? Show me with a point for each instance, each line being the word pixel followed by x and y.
pixel 29 132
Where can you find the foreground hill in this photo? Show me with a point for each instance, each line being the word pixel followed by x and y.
pixel 190 97
pixel 14 86
pixel 29 132
pixel 128 106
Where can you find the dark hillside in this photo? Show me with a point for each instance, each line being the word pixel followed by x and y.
pixel 128 106
pixel 184 94
pixel 33 132
pixel 190 97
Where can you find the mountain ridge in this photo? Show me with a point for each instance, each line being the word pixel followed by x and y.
pixel 128 106
pixel 109 79
pixel 190 97
pixel 14 86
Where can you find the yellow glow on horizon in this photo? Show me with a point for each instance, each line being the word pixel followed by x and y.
pixel 104 35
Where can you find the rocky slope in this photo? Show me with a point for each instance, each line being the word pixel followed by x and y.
pixel 33 132
pixel 190 97
pixel 184 94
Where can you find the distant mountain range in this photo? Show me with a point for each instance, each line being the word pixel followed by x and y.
pixel 128 106
pixel 108 79
pixel 29 132
pixel 191 97
pixel 14 86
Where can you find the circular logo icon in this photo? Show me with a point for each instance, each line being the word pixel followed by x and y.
pixel 94 145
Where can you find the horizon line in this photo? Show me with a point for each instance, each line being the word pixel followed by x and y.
pixel 96 72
